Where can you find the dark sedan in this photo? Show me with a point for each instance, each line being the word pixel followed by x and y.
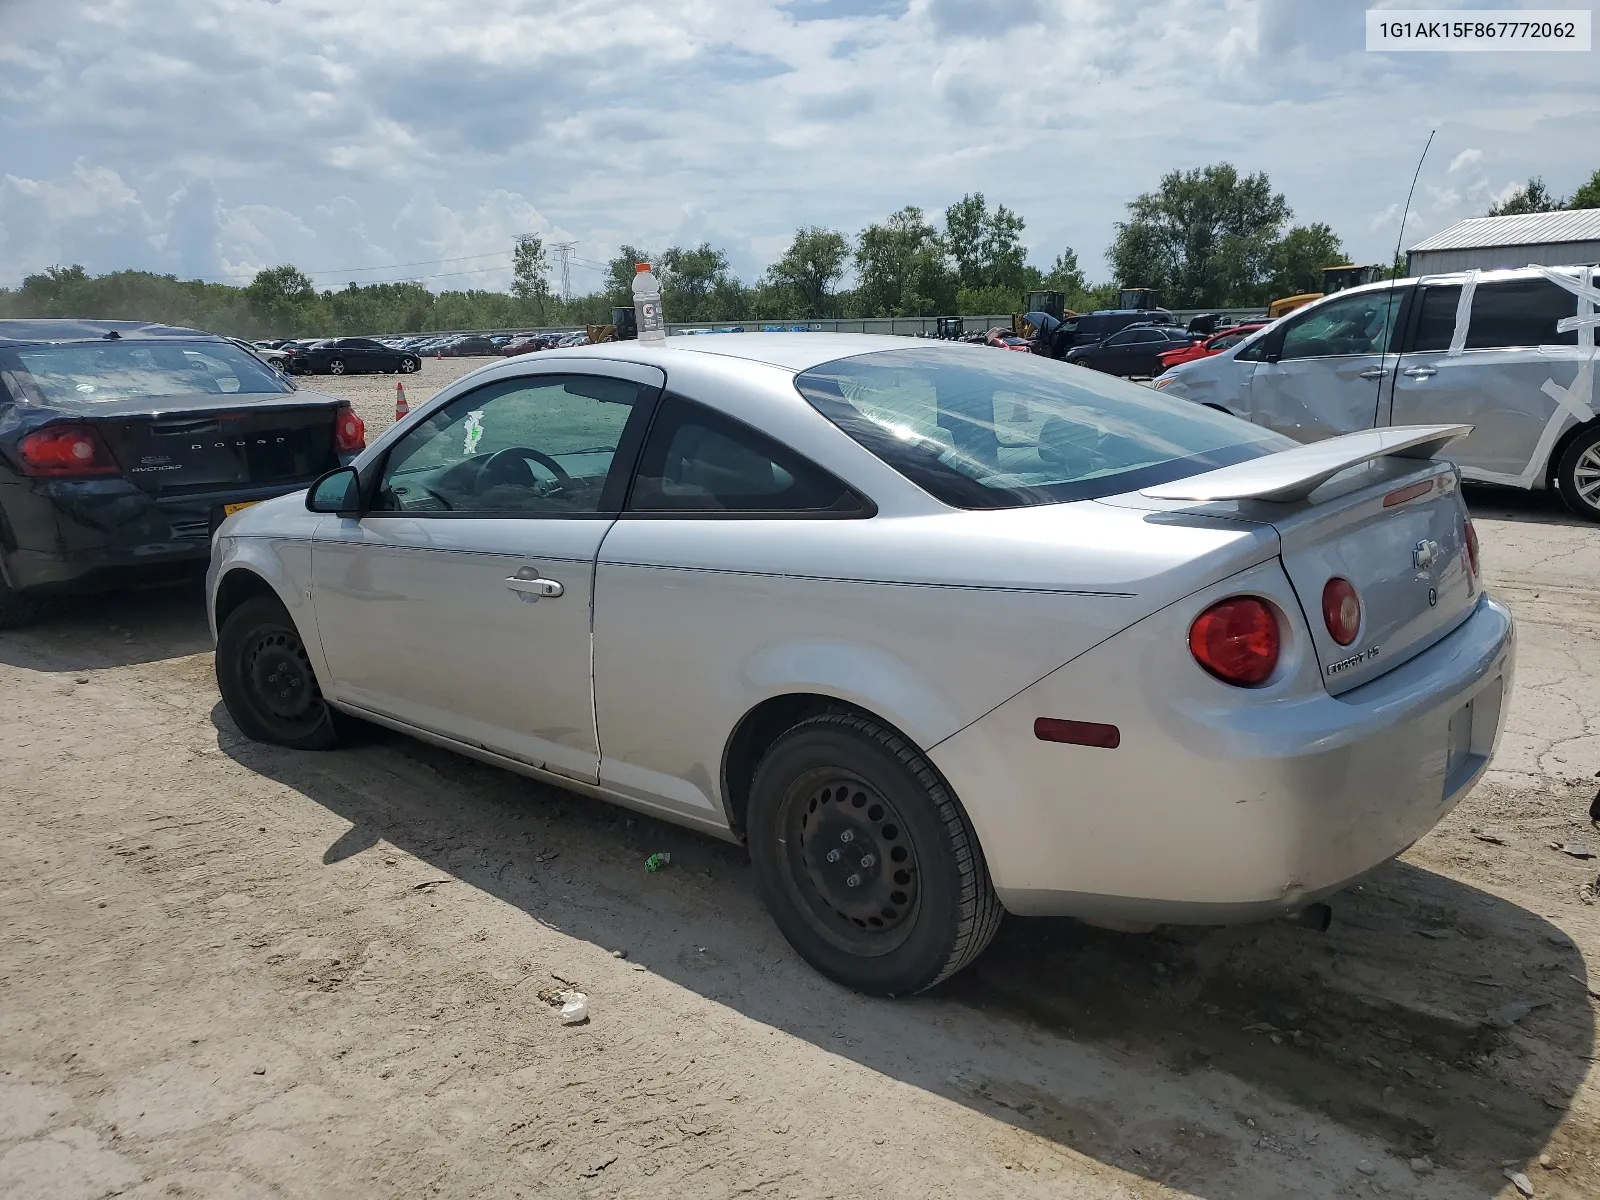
pixel 1130 352
pixel 350 356
pixel 123 445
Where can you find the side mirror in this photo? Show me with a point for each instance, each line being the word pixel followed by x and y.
pixel 339 491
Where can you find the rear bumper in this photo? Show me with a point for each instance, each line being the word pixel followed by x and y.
pixel 1210 811
pixel 88 535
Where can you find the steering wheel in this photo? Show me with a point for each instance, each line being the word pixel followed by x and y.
pixel 498 469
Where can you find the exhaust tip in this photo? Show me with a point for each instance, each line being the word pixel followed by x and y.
pixel 1314 916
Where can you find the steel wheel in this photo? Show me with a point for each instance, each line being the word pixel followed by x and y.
pixel 336 367
pixel 864 858
pixel 857 869
pixel 267 681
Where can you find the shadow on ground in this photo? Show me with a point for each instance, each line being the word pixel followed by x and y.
pixel 1377 1024
pixel 112 629
pixel 1514 504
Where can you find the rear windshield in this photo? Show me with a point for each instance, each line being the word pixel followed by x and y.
pixel 129 370
pixel 978 428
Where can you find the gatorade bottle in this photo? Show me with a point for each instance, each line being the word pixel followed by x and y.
pixel 647 305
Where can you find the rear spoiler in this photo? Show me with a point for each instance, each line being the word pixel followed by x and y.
pixel 1294 474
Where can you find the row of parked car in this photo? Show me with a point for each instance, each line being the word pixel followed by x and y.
pixel 1134 343
pixel 356 355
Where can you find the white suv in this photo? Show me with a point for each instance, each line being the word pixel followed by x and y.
pixel 1510 352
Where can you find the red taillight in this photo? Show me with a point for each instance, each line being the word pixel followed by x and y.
pixel 1341 610
pixel 349 431
pixel 1237 640
pixel 66 450
pixel 1472 548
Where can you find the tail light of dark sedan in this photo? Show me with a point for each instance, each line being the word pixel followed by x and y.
pixel 1237 640
pixel 66 452
pixel 349 431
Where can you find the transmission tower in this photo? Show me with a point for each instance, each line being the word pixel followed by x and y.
pixel 564 253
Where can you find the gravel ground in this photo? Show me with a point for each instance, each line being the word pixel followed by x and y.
pixel 229 970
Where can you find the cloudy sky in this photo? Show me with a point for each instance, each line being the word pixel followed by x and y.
pixel 384 139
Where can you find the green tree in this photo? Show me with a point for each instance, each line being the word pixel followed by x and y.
pixel 1587 196
pixel 1299 256
pixel 1065 275
pixel 986 245
pixel 689 278
pixel 1531 197
pixel 903 268
pixel 620 272
pixel 1203 238
pixel 282 299
pixel 809 269
pixel 530 275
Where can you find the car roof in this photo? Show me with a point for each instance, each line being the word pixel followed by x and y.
pixel 1503 275
pixel 791 351
pixel 35 331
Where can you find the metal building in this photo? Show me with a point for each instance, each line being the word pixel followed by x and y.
pixel 1549 239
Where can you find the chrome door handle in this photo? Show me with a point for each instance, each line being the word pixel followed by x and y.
pixel 1374 373
pixel 1419 372
pixel 529 586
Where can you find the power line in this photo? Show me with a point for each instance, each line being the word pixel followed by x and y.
pixel 564 253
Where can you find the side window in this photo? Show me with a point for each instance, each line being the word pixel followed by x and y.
pixel 1143 336
pixel 538 446
pixel 699 461
pixel 1120 339
pixel 1359 324
pixel 1436 320
pixel 1521 313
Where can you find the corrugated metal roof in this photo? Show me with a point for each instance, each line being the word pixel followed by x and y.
pixel 1525 229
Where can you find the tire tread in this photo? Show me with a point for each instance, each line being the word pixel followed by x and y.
pixel 980 910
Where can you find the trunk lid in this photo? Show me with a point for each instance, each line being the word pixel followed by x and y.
pixel 1370 507
pixel 1403 546
pixel 190 448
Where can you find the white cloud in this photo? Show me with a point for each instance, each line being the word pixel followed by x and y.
pixel 339 134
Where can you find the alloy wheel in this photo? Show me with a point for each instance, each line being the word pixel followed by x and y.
pixel 1586 476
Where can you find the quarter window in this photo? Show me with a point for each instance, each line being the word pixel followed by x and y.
pixel 538 446
pixel 1358 324
pixel 697 460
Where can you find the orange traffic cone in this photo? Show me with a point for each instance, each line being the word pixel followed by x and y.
pixel 401 408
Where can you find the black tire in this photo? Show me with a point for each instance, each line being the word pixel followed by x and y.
pixel 408 365
pixel 266 680
pixel 1578 475
pixel 336 366
pixel 924 907
pixel 16 608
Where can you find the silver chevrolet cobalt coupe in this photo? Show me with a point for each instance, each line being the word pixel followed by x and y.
pixel 939 632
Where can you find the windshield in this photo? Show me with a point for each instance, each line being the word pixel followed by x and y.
pixel 130 370
pixel 980 429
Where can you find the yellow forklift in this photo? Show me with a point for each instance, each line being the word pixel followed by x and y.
pixel 1334 279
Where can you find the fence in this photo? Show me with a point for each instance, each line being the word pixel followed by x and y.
pixel 903 326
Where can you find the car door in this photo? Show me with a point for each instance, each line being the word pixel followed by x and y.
pixel 1495 380
pixel 1328 368
pixel 1112 353
pixel 673 592
pixel 459 602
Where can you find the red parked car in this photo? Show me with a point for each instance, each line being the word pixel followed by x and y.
pixel 1214 344
pixel 1004 339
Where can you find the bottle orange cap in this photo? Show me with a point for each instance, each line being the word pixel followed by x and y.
pixel 640 268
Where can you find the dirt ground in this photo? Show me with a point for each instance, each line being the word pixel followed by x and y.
pixel 233 971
